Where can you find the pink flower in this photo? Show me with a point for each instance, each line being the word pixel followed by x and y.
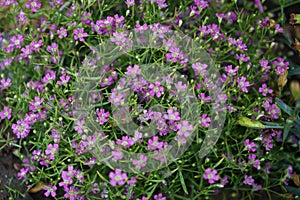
pixel 211 175
pixel 79 34
pixel 5 83
pixel 6 113
pixel 50 190
pixel 264 90
pixel 117 177
pixel 34 5
pixel 249 146
pixel 243 84
pixel 22 173
pixel 154 144
pixel 204 120
pixel 126 142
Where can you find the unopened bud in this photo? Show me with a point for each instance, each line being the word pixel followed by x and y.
pixel 295 89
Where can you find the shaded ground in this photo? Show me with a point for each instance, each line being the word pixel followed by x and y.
pixel 8 177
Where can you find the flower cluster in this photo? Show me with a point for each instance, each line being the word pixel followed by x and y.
pixel 84 141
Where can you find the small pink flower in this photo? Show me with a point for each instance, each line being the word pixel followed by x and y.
pixel 79 34
pixel 205 120
pixel 117 177
pixel 211 175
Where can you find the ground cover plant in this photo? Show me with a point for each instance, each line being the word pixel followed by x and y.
pixel 149 99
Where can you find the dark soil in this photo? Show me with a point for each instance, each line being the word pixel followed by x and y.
pixel 9 166
pixel 8 176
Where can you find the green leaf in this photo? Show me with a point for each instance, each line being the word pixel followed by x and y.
pixel 294 72
pixel 245 121
pixel 287 109
pixel 183 183
pixel 287 127
pixel 293 190
pixel 296 131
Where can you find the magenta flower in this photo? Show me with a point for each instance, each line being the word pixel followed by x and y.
pixel 22 173
pixel 55 136
pixel 130 3
pixel 21 18
pixel 231 71
pixel 6 113
pixel 63 80
pixel 51 150
pixel 199 68
pixel 160 3
pixel 264 64
pixel 184 128
pixel 242 58
pixel 7 62
pixel 243 84
pixel 49 76
pixel 36 45
pixel 126 142
pixel 156 89
pixel 250 146
pixel 224 181
pixel 140 29
pixel 34 5
pixel 79 126
pixel 204 98
pixel 281 66
pixel 116 99
pixel 71 193
pixel 133 71
pixel 172 114
pixel 85 18
pixel 211 175
pixel 16 41
pixel 175 55
pixel 79 34
pixel 117 177
pixel 21 129
pixel 36 104
pixel 121 39
pixel 264 90
pixel 102 116
pixel 5 83
pixel 67 177
pixel 141 162
pixel 248 180
pixel 117 154
pixel 252 159
pixel 204 120
pixel 53 49
pixel 154 143
pixel 62 33
pixel 50 189
pixel 159 197
pixel 79 176
pixel 36 155
pixel 274 111
pixel 132 181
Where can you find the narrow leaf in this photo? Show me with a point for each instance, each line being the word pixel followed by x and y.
pixel 287 127
pixel 293 190
pixel 288 110
pixel 245 121
pixel 295 71
pixel 183 183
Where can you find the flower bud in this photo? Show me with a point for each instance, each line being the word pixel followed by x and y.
pixel 295 89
